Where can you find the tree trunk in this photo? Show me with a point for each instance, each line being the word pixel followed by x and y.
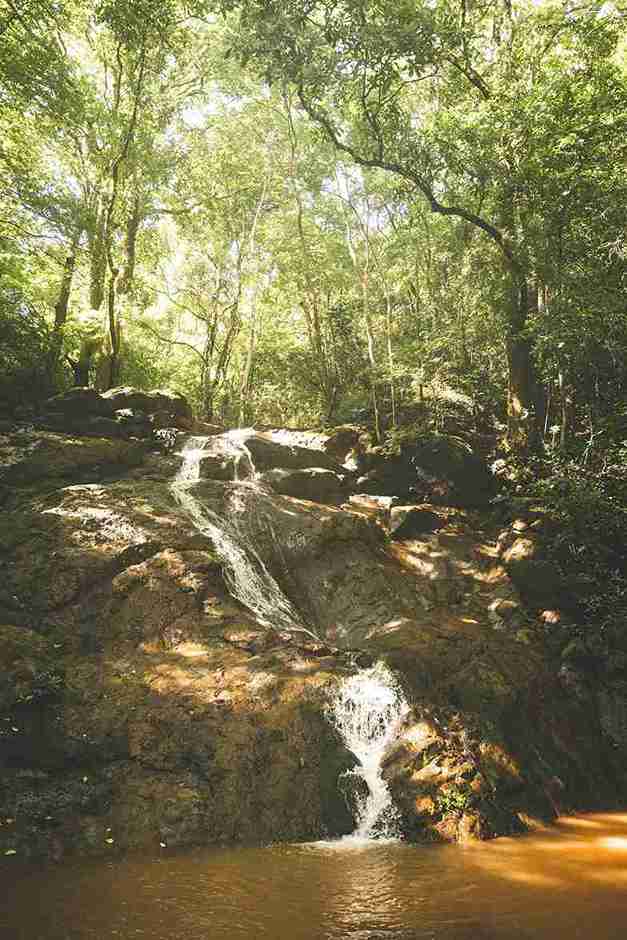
pixel 247 374
pixel 61 307
pixel 98 261
pixel 388 331
pixel 565 411
pixel 80 369
pixel 114 333
pixel 132 228
pixel 524 399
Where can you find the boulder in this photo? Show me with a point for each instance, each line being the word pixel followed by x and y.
pixel 79 402
pixel 341 441
pixel 109 427
pixel 540 583
pixel 315 484
pixel 207 428
pixel 36 455
pixel 137 423
pixel 269 455
pixel 218 466
pixel 538 580
pixel 134 410
pixel 497 732
pixel 437 468
pixel 375 507
pixel 409 521
pixel 174 404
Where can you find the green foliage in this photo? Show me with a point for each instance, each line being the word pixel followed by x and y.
pixel 452 800
pixel 588 545
pixel 24 345
pixel 357 233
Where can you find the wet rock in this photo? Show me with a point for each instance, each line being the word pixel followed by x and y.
pixel 146 698
pixel 330 563
pixel 219 466
pixel 316 484
pixel 355 791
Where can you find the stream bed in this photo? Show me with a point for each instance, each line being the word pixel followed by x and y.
pixel 566 881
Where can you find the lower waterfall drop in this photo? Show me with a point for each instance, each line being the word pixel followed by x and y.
pixel 368 710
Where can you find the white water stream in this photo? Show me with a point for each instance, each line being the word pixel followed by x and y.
pixel 247 577
pixel 369 706
pixel 367 710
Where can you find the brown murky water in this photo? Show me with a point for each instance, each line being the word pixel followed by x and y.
pixel 569 881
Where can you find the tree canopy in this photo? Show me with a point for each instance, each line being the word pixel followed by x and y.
pixel 303 213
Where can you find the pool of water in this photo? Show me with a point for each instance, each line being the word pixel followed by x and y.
pixel 567 881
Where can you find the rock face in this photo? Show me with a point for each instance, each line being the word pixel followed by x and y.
pixel 142 701
pixel 493 740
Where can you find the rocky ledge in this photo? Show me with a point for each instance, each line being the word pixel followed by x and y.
pixel 141 702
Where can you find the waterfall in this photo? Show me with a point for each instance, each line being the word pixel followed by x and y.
pixel 235 443
pixel 247 577
pixel 367 710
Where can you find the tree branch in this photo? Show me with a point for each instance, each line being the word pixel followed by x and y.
pixel 409 174
pixel 172 342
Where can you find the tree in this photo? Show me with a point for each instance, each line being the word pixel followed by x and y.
pixel 443 96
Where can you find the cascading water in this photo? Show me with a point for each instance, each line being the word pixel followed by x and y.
pixel 369 706
pixel 367 710
pixel 248 578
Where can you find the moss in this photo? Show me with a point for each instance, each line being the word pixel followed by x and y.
pixel 452 799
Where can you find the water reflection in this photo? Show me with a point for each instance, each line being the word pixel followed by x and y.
pixel 567 881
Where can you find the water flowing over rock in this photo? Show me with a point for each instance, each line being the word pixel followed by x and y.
pixel 367 710
pixel 247 576
pixel 172 631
